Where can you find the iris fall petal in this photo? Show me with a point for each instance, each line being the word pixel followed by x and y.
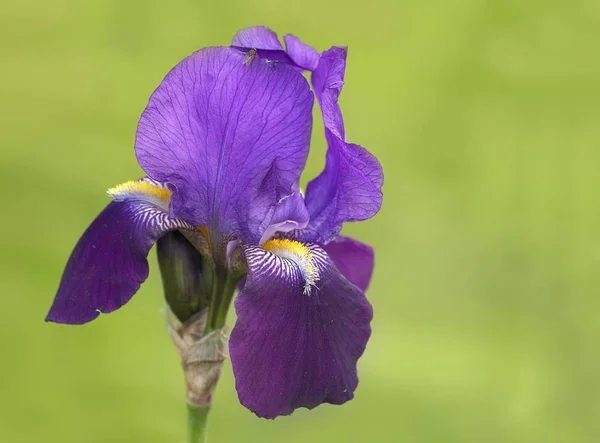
pixel 355 260
pixel 290 349
pixel 109 263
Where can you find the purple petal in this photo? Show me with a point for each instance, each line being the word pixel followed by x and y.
pixel 258 37
pixel 270 55
pixel 349 188
pixel 290 214
pixel 267 46
pixel 327 81
pixel 303 55
pixel 110 261
pixel 230 134
pixel 289 349
pixel 354 260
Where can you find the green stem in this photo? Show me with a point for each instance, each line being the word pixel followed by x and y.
pixel 197 423
pixel 229 290
pixel 223 290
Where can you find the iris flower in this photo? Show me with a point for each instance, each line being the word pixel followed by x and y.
pixel 223 141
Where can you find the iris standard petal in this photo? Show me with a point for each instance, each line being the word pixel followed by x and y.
pixel 303 55
pixel 355 260
pixel 265 44
pixel 290 348
pixel 257 37
pixel 110 260
pixel 349 188
pixel 327 81
pixel 230 133
pixel 265 41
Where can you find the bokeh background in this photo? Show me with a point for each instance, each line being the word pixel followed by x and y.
pixel 485 116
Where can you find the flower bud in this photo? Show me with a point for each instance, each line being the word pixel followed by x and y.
pixel 186 274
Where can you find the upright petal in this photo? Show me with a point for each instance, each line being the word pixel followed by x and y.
pixel 355 260
pixel 257 37
pixel 264 43
pixel 110 262
pixel 349 188
pixel 269 55
pixel 303 55
pixel 230 133
pixel 327 81
pixel 290 348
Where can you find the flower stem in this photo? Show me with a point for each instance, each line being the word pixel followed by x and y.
pixel 223 291
pixel 197 423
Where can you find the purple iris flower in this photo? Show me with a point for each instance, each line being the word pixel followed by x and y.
pixel 223 142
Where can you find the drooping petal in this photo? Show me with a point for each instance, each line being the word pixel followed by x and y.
pixel 230 134
pixel 303 55
pixel 292 349
pixel 257 37
pixel 109 263
pixel 349 188
pixel 355 260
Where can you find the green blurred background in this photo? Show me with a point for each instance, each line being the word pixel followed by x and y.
pixel 485 116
